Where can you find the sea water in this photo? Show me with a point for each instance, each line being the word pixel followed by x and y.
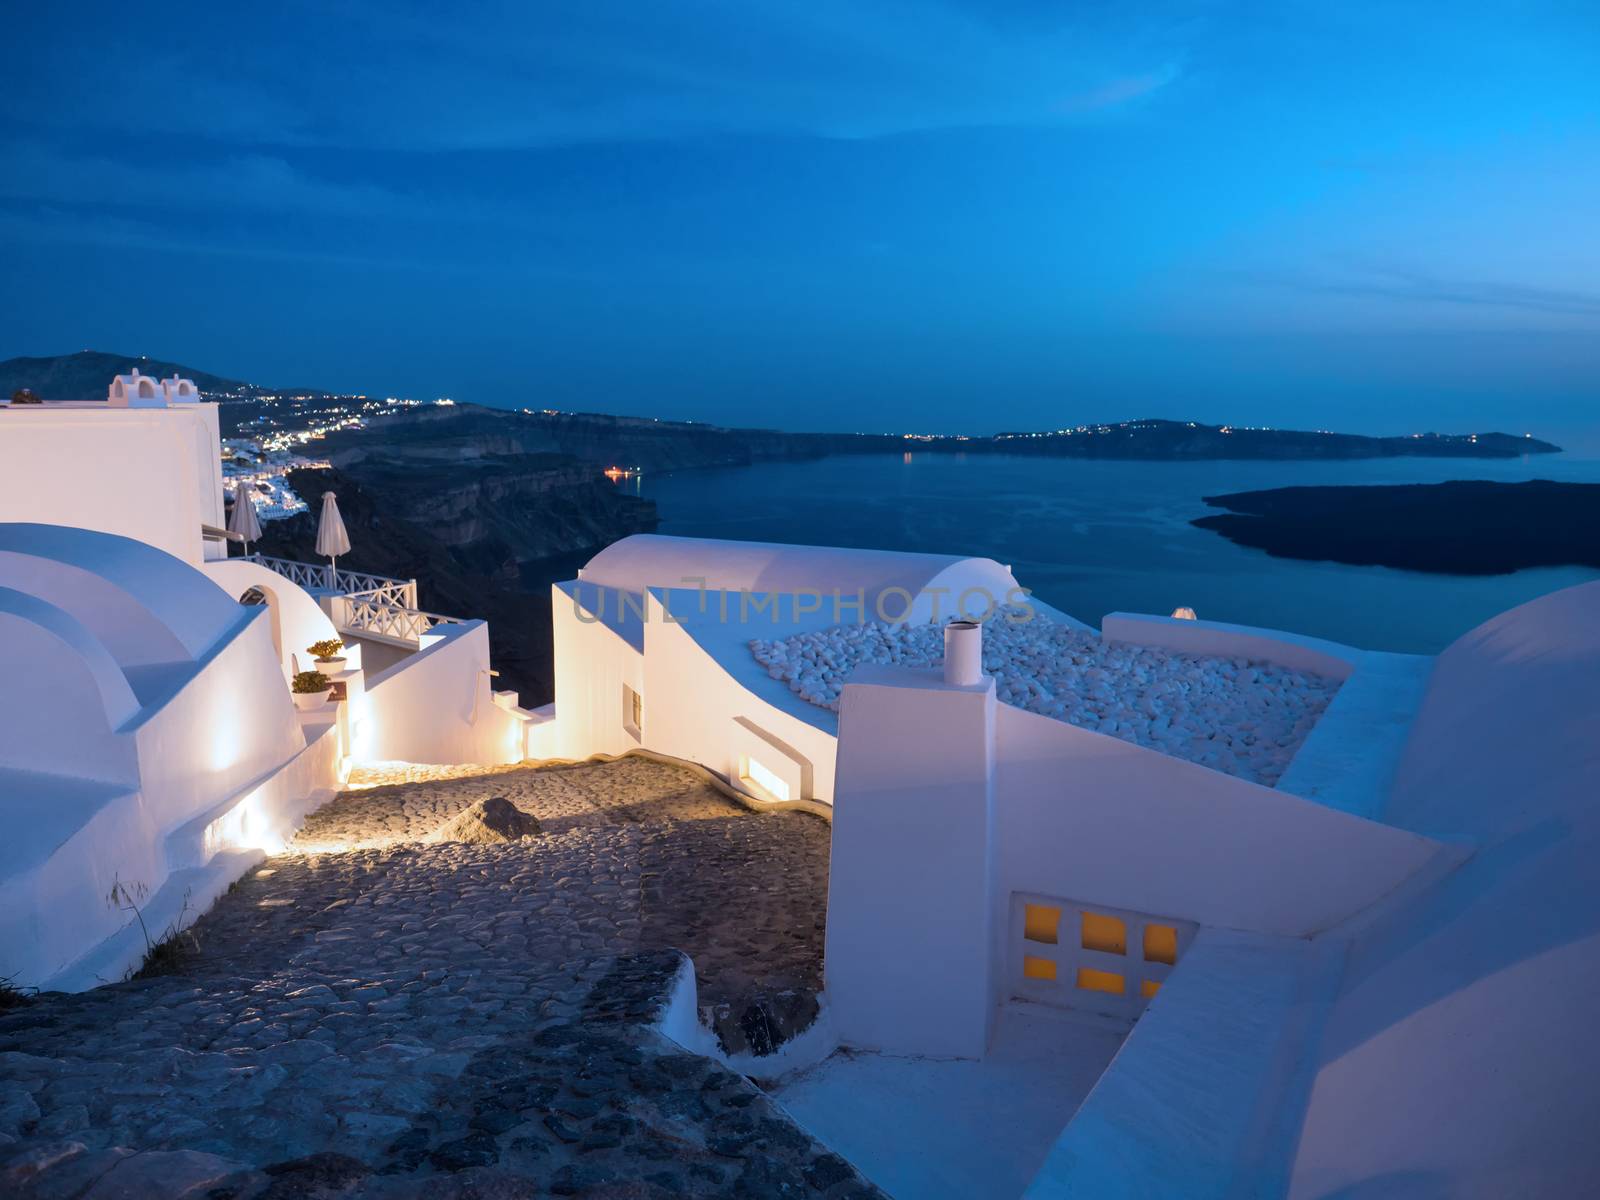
pixel 1098 536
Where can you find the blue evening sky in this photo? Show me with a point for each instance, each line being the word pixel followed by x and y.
pixel 944 215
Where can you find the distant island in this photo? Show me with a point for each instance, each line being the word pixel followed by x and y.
pixel 661 445
pixel 484 507
pixel 1467 527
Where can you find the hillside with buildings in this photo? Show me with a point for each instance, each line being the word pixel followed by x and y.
pixel 665 445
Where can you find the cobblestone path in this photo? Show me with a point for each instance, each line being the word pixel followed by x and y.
pixel 379 1013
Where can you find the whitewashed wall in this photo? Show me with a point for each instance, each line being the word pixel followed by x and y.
pixel 693 705
pixel 1460 1059
pixel 298 618
pixel 1083 815
pixel 598 649
pixel 229 726
pixel 150 474
pixel 932 793
pixel 140 698
pixel 437 706
pixel 1295 651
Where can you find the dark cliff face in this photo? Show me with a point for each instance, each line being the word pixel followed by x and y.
pixel 482 539
pixel 466 433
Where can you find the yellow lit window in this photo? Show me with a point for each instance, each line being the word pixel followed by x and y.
pixel 1091 980
pixel 1105 933
pixel 1038 968
pixel 1148 988
pixel 1160 944
pixel 1040 923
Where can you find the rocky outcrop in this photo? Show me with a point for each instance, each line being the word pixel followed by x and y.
pixel 493 820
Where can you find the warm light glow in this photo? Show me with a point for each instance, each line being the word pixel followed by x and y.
pixel 1038 968
pixel 1090 980
pixel 242 827
pixel 1160 944
pixel 1103 933
pixel 766 779
pixel 1184 614
pixel 1148 988
pixel 1041 923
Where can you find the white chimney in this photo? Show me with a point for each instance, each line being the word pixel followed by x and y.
pixel 963 653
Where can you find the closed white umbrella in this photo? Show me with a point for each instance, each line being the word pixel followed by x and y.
pixel 332 539
pixel 242 520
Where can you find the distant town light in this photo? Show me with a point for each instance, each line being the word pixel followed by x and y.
pixel 1184 614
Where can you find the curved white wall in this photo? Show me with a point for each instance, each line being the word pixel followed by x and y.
pixel 117 701
pixel 98 771
pixel 144 604
pixel 885 578
pixel 1460 1058
pixel 62 697
pixel 694 706
pixel 298 617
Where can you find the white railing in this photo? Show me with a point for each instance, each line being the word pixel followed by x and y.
pixel 374 613
pixel 401 593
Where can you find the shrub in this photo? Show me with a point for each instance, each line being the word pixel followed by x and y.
pixel 326 648
pixel 12 996
pixel 24 396
pixel 306 682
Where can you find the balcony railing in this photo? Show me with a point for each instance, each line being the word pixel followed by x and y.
pixel 374 614
pixel 368 605
pixel 322 578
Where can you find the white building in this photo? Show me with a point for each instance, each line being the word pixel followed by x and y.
pixel 1375 974
pixel 1370 974
pixel 652 648
pixel 150 740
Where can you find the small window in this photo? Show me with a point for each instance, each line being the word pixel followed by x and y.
pixel 1160 944
pixel 764 777
pixel 632 712
pixel 1041 923
pixel 1090 980
pixel 1106 934
pixel 1038 968
pixel 1148 988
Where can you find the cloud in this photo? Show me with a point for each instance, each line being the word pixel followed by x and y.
pixel 1120 91
pixel 419 78
pixel 254 182
pixel 1400 285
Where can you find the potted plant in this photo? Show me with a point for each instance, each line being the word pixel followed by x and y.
pixel 329 661
pixel 310 690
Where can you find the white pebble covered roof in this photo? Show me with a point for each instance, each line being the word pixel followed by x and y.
pixel 1235 715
